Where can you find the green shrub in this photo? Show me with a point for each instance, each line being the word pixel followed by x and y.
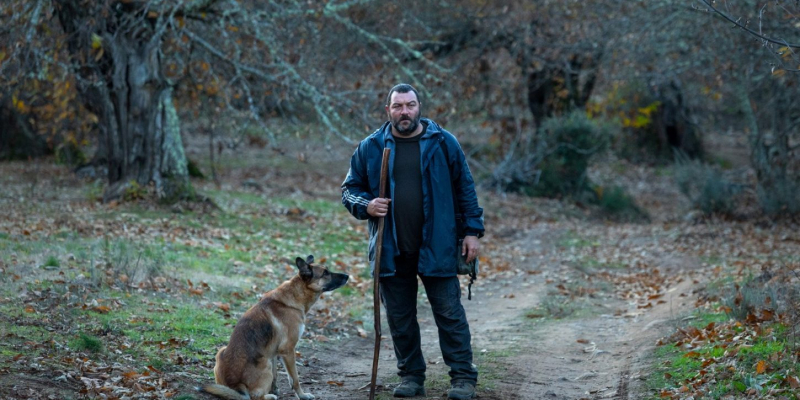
pixel 70 153
pixel 705 186
pixel 194 169
pixel 565 147
pixel 134 191
pixel 654 119
pixel 617 204
pixel 780 198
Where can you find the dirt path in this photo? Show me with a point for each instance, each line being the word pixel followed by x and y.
pixel 592 354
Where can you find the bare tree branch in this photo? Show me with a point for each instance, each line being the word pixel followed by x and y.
pixel 736 22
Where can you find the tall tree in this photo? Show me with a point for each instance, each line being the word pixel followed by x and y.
pixel 134 60
pixel 767 92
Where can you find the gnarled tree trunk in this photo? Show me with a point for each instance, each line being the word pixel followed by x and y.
pixel 774 158
pixel 558 88
pixel 123 84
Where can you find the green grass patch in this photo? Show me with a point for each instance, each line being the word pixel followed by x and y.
pixel 240 253
pixel 52 261
pixel 491 367
pixel 590 263
pixel 88 342
pixel 755 361
pixel 701 320
pixel 572 239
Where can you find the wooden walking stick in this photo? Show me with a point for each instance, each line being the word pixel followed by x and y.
pixel 376 277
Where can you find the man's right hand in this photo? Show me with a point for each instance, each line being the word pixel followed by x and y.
pixel 378 207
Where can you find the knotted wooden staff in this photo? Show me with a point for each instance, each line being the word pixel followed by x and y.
pixel 376 277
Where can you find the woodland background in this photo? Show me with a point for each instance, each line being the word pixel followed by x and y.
pixel 176 116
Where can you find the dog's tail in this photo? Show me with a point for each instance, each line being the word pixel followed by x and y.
pixel 223 392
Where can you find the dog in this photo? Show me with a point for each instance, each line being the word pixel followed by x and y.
pixel 246 368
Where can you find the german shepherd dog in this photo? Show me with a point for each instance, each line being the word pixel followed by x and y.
pixel 246 367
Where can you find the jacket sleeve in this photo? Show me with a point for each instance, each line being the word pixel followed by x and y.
pixel 464 187
pixel 355 188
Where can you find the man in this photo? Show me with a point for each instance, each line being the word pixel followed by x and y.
pixel 427 168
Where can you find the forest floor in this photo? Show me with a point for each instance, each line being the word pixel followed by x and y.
pixel 131 300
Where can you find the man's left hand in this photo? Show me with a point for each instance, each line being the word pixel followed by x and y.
pixel 470 247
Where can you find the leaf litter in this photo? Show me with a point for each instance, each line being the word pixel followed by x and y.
pixel 628 257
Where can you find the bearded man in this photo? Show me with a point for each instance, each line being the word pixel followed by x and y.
pixel 429 184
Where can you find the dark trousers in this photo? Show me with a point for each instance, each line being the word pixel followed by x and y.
pixel 399 295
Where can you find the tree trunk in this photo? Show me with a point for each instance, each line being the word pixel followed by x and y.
pixel 778 185
pixel 558 88
pixel 142 129
pixel 674 123
pixel 124 86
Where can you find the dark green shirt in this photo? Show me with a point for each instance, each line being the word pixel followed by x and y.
pixel 408 214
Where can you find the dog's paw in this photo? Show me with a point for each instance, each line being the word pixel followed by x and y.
pixel 305 396
pixel 270 397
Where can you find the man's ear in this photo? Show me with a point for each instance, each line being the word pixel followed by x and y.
pixel 303 268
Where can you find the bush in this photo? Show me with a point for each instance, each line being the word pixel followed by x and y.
pixel 194 169
pixel 70 153
pixel 743 301
pixel 617 204
pixel 780 198
pixel 565 146
pixel 654 120
pixel 705 186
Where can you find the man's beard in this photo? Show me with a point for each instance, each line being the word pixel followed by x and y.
pixel 411 127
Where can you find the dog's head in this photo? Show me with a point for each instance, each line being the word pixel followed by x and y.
pixel 317 277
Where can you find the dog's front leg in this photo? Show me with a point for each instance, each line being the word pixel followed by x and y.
pixel 291 368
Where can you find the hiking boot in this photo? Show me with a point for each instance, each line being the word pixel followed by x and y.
pixel 461 390
pixel 409 388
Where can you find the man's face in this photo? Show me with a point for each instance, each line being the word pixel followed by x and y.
pixel 403 110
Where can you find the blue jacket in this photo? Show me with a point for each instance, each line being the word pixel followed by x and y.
pixel 438 253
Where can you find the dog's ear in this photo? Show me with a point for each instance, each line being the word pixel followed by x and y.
pixel 310 259
pixel 304 268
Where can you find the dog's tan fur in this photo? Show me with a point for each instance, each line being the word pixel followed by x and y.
pixel 246 367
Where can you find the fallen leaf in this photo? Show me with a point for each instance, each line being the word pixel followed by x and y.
pixel 101 309
pixel 761 367
pixel 692 354
pixel 793 382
